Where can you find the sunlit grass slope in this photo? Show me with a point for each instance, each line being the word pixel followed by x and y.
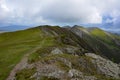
pixel 14 45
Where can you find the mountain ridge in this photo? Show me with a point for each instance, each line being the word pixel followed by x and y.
pixel 65 53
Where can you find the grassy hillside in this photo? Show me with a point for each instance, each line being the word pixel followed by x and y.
pixel 15 45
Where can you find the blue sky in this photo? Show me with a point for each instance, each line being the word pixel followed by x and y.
pixel 61 12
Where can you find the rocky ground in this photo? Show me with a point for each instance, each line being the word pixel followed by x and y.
pixel 60 66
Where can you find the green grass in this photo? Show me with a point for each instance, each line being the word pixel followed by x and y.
pixel 103 36
pixel 98 32
pixel 33 57
pixel 14 45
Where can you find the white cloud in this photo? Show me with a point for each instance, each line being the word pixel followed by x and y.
pixel 71 11
pixel 57 11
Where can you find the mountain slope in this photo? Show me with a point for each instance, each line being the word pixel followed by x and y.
pixel 104 43
pixel 55 53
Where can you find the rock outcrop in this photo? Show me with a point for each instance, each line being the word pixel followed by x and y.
pixel 104 66
pixel 71 67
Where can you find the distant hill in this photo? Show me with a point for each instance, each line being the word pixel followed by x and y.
pixel 106 26
pixel 13 27
pixel 59 53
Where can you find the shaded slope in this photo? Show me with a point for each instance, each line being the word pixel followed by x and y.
pixel 102 42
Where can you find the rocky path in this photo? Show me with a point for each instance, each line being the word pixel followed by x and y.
pixel 22 64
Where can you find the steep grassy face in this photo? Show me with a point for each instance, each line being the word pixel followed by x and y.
pixel 102 42
pixel 110 41
pixel 102 35
pixel 98 32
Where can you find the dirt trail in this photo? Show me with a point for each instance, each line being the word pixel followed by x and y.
pixel 22 64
